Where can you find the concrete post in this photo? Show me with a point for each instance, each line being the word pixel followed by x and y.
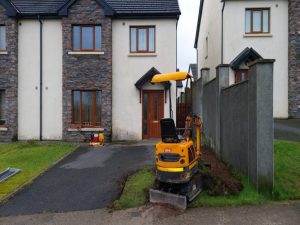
pixel 261 132
pixel 222 80
pixel 204 76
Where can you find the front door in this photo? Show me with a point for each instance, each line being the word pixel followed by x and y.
pixel 153 112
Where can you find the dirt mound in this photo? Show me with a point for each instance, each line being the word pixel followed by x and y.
pixel 218 178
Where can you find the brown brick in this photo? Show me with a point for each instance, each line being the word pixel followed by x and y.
pixel 9 76
pixel 87 71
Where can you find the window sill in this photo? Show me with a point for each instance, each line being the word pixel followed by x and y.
pixel 85 53
pixel 257 35
pixel 3 129
pixel 86 129
pixel 3 53
pixel 142 55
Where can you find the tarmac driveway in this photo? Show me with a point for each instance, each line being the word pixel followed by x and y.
pixel 287 129
pixel 90 178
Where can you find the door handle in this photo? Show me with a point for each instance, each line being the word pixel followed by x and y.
pixel 155 121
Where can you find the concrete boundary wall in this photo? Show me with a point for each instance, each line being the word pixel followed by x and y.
pixel 238 120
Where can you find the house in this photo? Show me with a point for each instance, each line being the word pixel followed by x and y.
pixel 193 70
pixel 239 32
pixel 72 67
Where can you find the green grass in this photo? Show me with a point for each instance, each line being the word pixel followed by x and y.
pixel 287 183
pixel 287 170
pixel 32 158
pixel 135 192
pixel 247 196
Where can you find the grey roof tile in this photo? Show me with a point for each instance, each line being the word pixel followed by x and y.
pixel 121 7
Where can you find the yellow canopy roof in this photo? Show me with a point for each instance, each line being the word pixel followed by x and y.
pixel 158 78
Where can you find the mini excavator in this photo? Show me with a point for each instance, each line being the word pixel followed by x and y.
pixel 178 180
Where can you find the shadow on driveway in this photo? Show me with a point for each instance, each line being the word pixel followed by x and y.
pixel 90 178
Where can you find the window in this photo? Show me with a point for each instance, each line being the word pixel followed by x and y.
pixel 86 38
pixel 2 38
pixel 86 108
pixel 257 21
pixel 142 39
pixel 2 121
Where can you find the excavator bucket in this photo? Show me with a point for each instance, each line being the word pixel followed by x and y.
pixel 161 197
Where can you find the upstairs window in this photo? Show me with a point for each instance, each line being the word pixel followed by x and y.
pixel 2 120
pixel 2 38
pixel 257 21
pixel 86 108
pixel 142 39
pixel 86 38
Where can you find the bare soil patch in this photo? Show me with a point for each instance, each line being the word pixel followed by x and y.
pixel 218 177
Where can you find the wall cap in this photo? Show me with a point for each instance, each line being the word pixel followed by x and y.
pixel 85 129
pixel 142 55
pixel 85 53
pixel 205 68
pixel 3 129
pixel 258 61
pixel 222 65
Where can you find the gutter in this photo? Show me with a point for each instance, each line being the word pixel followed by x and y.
pixel 222 34
pixel 41 78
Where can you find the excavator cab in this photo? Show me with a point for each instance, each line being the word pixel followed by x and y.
pixel 176 157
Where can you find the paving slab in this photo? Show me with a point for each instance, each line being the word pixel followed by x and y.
pixel 90 178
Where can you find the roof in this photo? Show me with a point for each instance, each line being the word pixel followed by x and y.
pixel 125 8
pixel 193 68
pixel 198 23
pixel 247 55
pixel 37 6
pixel 147 77
pixel 115 8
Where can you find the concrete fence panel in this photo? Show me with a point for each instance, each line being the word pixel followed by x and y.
pixel 209 112
pixel 235 126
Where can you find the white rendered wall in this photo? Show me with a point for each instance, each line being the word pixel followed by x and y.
pixel 52 79
pixel 273 47
pixel 29 77
pixel 211 28
pixel 127 69
pixel 28 80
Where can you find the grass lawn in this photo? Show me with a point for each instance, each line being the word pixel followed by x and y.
pixel 32 158
pixel 287 170
pixel 135 192
pixel 287 183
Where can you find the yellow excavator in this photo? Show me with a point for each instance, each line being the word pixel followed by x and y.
pixel 178 179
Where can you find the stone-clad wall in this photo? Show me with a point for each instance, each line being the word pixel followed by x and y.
pixel 9 77
pixel 294 58
pixel 87 72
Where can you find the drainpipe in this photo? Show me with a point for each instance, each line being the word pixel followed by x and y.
pixel 222 34
pixel 41 78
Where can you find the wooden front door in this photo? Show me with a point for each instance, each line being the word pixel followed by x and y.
pixel 153 112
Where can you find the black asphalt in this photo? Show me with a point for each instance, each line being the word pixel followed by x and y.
pixel 287 129
pixel 90 178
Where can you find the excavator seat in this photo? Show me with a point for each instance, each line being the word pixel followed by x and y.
pixel 169 131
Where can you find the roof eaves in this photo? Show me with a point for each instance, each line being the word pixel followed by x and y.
pixel 11 9
pixel 199 23
pixel 152 15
